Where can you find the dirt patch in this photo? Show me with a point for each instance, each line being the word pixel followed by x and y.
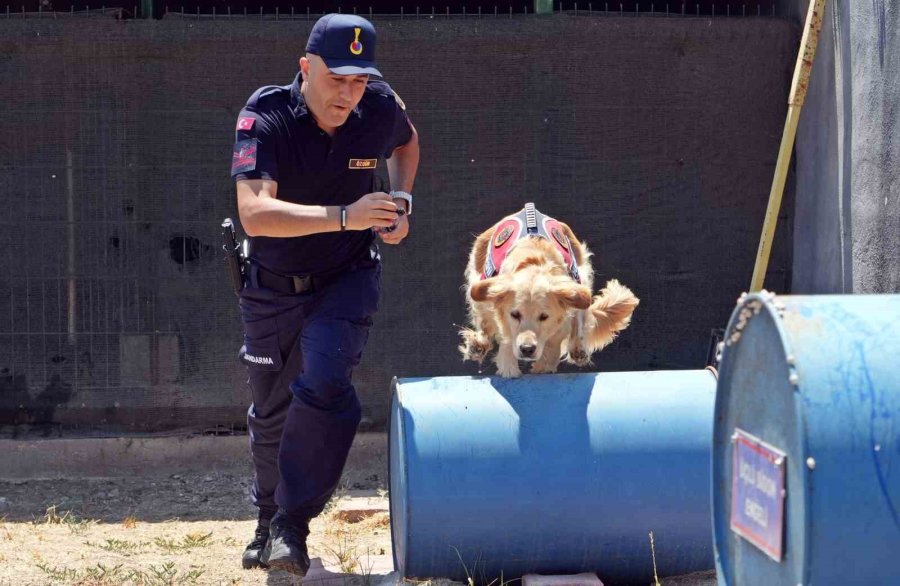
pixel 183 529
pixel 190 528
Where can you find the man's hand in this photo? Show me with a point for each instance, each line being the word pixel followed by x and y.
pixel 373 210
pixel 396 235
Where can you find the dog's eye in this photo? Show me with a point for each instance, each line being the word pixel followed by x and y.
pixel 543 317
pixel 516 315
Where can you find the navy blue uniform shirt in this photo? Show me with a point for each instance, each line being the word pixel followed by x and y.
pixel 278 139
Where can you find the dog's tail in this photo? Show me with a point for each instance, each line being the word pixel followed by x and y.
pixel 609 313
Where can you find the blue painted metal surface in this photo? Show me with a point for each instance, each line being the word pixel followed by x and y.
pixel 552 474
pixel 817 378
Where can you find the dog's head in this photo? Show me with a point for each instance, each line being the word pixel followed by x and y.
pixel 531 305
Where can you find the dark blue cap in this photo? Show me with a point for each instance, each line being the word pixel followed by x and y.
pixel 345 42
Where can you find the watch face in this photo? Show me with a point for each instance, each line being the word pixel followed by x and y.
pixel 406 198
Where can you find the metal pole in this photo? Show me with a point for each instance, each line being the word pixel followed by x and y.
pixel 70 260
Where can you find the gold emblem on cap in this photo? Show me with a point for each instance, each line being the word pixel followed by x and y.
pixel 356 47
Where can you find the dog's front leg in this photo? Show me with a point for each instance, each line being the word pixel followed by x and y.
pixel 475 346
pixel 575 346
pixel 507 365
pixel 549 360
pixel 477 341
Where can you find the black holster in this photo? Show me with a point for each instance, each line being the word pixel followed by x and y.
pixel 234 260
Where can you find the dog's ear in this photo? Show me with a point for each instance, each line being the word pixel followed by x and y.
pixel 488 289
pixel 573 295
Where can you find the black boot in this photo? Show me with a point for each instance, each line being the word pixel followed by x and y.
pixel 251 556
pixel 286 548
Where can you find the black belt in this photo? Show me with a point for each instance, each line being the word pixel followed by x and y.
pixel 293 284
pixel 304 283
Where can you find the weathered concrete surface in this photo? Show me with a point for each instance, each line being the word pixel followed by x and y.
pixel 847 220
pixel 159 456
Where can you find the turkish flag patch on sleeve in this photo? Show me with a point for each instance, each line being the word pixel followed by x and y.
pixel 243 158
pixel 245 123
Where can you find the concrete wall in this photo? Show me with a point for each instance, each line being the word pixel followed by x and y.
pixel 847 221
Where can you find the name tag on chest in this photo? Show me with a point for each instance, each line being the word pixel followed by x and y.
pixel 363 163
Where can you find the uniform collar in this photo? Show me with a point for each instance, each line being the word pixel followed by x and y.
pixel 298 102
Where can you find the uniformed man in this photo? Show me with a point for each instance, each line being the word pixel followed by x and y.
pixel 304 162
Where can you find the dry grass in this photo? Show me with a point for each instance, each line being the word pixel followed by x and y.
pixel 475 574
pixel 5 533
pixel 67 518
pixel 100 575
pixel 49 546
pixel 351 547
pixel 653 555
pixel 121 546
pixel 61 547
pixel 185 544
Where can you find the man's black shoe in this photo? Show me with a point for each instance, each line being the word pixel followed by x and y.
pixel 286 548
pixel 251 556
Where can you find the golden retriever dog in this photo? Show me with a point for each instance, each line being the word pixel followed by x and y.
pixel 529 289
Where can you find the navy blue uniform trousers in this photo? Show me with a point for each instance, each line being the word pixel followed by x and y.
pixel 300 351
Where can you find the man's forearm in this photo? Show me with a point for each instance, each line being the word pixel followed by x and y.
pixel 281 219
pixel 403 164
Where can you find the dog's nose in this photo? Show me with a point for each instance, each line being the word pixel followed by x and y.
pixel 527 350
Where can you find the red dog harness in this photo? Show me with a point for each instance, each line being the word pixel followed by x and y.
pixel 527 223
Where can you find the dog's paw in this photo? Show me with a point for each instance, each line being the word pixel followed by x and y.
pixel 507 365
pixel 579 356
pixel 509 371
pixel 543 368
pixel 475 346
pixel 478 351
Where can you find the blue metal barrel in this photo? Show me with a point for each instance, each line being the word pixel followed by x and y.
pixel 806 453
pixel 552 474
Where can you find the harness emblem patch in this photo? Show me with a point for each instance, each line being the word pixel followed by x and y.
pixel 503 236
pixel 560 237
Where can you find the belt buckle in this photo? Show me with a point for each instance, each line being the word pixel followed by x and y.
pixel 302 284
